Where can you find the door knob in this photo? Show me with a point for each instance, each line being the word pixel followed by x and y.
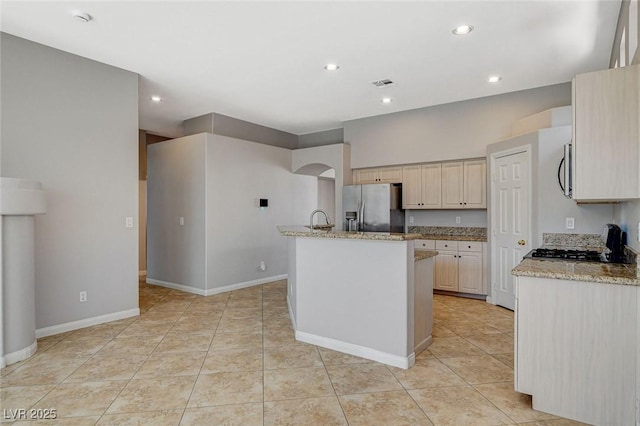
pixel 522 242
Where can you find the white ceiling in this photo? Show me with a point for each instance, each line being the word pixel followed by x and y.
pixel 263 61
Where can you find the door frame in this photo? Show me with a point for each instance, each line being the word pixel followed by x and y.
pixel 528 150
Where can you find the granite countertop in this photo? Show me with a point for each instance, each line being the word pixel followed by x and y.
pixel 608 273
pixel 303 231
pixel 423 254
pixel 450 233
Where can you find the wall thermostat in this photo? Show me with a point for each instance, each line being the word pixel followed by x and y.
pixel 264 202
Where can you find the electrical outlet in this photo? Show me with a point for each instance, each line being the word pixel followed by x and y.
pixel 639 231
pixel 128 222
pixel 570 223
pixel 457 219
pixel 83 296
pixel 263 266
pixel 181 221
pixel 410 220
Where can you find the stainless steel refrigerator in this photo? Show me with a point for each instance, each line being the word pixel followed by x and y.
pixel 373 208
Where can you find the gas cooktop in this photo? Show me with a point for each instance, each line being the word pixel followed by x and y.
pixel 560 254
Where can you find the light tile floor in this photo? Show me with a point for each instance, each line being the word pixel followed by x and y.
pixel 232 359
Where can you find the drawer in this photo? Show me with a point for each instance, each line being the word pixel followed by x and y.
pixel 446 245
pixel 425 245
pixel 470 246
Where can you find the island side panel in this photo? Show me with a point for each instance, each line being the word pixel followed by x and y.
pixel 291 279
pixel 358 292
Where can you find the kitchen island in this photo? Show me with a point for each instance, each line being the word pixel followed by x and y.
pixel 577 339
pixel 355 292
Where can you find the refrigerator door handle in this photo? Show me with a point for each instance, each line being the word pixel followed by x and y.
pixel 361 227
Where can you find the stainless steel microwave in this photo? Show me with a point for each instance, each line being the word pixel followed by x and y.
pixel 565 180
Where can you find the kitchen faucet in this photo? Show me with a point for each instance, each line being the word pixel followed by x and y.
pixel 317 211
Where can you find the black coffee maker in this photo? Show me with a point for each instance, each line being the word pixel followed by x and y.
pixel 614 239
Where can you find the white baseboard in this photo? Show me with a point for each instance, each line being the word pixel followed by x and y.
pixel 490 300
pixel 174 286
pixel 357 350
pixel 20 355
pixel 423 345
pixel 141 273
pixel 216 290
pixel 87 322
pixel 245 284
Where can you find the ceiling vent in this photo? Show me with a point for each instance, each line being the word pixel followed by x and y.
pixel 382 83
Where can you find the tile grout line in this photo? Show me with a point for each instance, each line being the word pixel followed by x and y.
pixel 203 361
pixel 141 364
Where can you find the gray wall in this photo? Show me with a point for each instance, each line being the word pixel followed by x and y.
pixel 446 132
pixel 72 124
pixel 327 137
pixel 326 200
pixel 215 182
pixel 176 188
pixel 200 124
pixel 549 206
pixel 446 218
pixel 239 233
pixel 235 128
pixel 628 214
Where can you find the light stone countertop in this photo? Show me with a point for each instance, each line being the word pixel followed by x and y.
pixel 423 254
pixel 450 233
pixel 608 273
pixel 443 237
pixel 303 231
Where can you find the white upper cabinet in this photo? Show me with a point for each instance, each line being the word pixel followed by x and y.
pixel 464 185
pixel 421 186
pixel 606 139
pixel 378 175
pixel 475 184
pixel 452 185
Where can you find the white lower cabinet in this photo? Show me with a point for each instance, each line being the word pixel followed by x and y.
pixel 446 271
pixel 470 272
pixel 577 349
pixel 460 266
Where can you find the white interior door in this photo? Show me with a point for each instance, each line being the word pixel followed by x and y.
pixel 510 210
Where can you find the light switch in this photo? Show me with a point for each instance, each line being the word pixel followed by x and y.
pixel 457 219
pixel 128 222
pixel 410 220
pixel 181 221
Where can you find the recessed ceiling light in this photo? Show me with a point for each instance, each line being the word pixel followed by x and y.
pixel 386 100
pixel 463 29
pixel 494 79
pixel 331 67
pixel 81 16
pixel 156 98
